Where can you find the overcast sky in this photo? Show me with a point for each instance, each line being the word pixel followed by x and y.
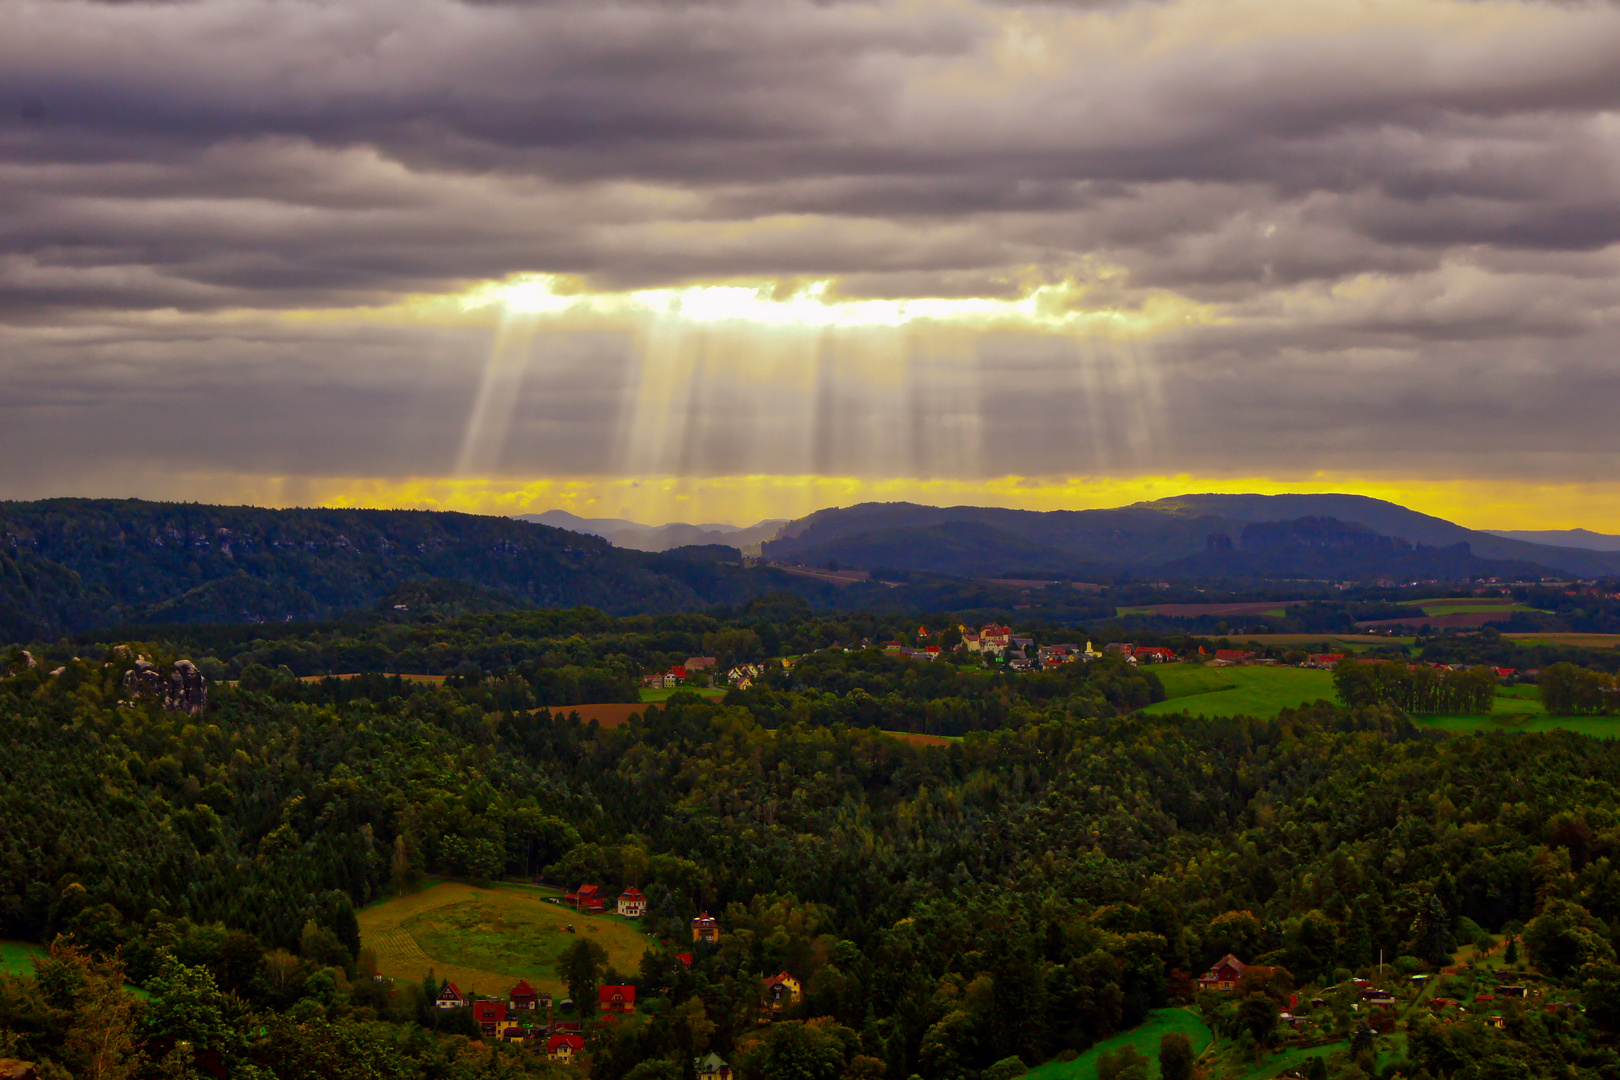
pixel 276 252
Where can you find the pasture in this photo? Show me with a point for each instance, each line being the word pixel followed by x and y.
pixel 648 696
pixel 1144 1037
pixel 1233 691
pixel 487 939
pixel 1265 691
pixel 17 957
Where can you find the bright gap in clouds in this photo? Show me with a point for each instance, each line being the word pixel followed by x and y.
pixel 793 380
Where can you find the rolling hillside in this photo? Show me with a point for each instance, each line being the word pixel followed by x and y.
pixel 1188 537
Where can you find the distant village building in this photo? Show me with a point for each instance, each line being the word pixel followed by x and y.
pixel 782 991
pixel 588 899
pixel 706 928
pixel 1154 654
pixel 616 999
pixel 489 1016
pixel 450 997
pixel 632 905
pixel 523 998
pixel 1224 975
pixel 564 1046
pixel 711 1067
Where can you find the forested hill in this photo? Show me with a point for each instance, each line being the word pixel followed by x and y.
pixel 1194 537
pixel 71 564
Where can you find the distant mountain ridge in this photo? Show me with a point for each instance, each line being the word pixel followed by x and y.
pixel 1198 535
pixel 1574 538
pixel 631 534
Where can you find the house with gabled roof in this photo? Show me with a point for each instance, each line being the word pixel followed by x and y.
pixel 781 991
pixel 711 1067
pixel 450 997
pixel 1224 975
pixel 489 1016
pixel 706 928
pixel 587 898
pixel 632 905
pixel 523 997
pixel 616 999
pixel 564 1046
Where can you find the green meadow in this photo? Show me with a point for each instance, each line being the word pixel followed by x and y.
pixel 1144 1037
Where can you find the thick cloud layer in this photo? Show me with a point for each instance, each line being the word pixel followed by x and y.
pixel 1402 213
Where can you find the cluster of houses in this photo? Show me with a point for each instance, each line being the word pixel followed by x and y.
pixel 680 674
pixel 524 1015
pixel 591 900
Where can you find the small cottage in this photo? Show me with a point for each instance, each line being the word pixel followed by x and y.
pixel 1224 975
pixel 616 999
pixel 712 1067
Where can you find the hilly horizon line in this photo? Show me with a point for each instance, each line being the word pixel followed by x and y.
pixel 1577 538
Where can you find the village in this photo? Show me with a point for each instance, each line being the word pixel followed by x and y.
pixel 991 646
pixel 563 1029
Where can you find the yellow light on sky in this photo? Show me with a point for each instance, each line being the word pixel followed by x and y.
pixel 743 500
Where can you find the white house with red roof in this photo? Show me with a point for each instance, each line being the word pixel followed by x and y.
pixel 450 997
pixel 632 905
pixel 565 1045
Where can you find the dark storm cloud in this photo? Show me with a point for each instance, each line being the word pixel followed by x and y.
pixel 1409 194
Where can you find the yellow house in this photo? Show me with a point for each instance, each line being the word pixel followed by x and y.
pixel 712 1067
pixel 706 928
pixel 781 991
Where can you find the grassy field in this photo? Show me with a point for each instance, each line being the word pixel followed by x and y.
pixel 17 957
pixel 487 939
pixel 1585 641
pixel 1346 643
pixel 1145 1038
pixel 1230 691
pixel 663 695
pixel 1265 691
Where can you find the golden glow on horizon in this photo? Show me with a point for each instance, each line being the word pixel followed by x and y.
pixel 1478 503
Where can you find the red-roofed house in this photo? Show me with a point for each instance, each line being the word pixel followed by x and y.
pixel 489 1015
pixel 1327 659
pixel 995 638
pixel 450 997
pixel 616 999
pixel 632 904
pixel 1505 672
pixel 587 898
pixel 1224 975
pixel 564 1045
pixel 685 958
pixel 781 991
pixel 706 928
pixel 523 997
pixel 1232 656
pixel 1155 654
